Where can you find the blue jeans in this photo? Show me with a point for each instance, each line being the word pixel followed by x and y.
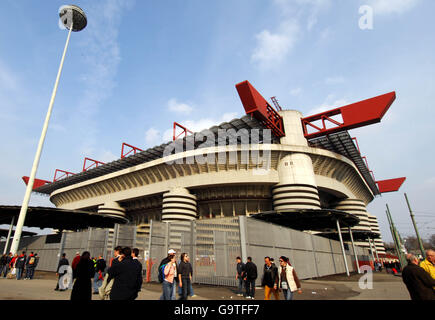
pixel 240 287
pixel 250 288
pixel 4 271
pixel 30 271
pixel 168 290
pixel 180 290
pixel 288 295
pixel 97 283
pixel 19 273
pixel 185 288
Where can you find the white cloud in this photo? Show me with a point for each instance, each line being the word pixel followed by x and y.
pixel 273 48
pixel 179 107
pixel 152 136
pixel 331 102
pixel 334 80
pixel 385 7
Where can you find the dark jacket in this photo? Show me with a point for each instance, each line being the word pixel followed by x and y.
pixel 185 269
pixel 418 282
pixel 127 279
pixel 251 271
pixel 240 267
pixel 270 276
pixel 100 265
pixel 83 273
pixel 21 261
pixel 62 262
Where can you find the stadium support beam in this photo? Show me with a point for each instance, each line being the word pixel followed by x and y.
pixel 342 248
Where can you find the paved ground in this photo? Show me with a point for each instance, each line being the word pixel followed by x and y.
pixel 385 287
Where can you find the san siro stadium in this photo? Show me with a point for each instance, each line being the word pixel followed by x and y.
pixel 270 183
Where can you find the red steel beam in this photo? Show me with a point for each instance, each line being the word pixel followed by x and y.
pixel 185 131
pixel 36 183
pixel 132 149
pixel 94 162
pixel 65 174
pixel 259 108
pixel 390 185
pixel 354 115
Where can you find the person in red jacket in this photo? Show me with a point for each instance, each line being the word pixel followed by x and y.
pixel 75 260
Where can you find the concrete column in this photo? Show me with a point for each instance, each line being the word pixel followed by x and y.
pixel 297 187
pixel 112 209
pixel 179 204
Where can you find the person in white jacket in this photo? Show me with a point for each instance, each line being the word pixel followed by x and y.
pixel 288 280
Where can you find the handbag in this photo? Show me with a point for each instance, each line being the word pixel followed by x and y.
pixel 14 271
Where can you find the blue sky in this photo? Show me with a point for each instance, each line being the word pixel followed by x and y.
pixel 141 65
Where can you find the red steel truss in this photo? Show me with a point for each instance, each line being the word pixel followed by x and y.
pixel 390 185
pixel 132 149
pixel 94 162
pixel 354 115
pixel 64 175
pixel 36 183
pixel 185 131
pixel 259 108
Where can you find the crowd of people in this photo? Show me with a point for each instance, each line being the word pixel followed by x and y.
pixel 274 279
pixel 120 279
pixel 20 267
pixel 419 276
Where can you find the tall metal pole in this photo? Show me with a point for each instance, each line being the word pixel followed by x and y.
pixel 9 235
pixel 342 248
pixel 25 204
pixel 354 250
pixel 397 240
pixel 420 243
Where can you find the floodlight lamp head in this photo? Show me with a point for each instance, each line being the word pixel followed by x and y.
pixel 73 15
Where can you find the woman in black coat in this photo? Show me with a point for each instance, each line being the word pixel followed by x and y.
pixel 83 273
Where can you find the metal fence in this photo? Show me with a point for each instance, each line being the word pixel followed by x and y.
pixel 212 244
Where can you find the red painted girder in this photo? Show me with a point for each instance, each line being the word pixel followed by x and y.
pixel 94 162
pixel 133 149
pixel 390 185
pixel 185 131
pixel 259 108
pixel 36 183
pixel 65 173
pixel 354 115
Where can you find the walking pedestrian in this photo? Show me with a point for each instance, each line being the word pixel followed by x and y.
pixel 106 286
pixel 185 273
pixel 75 261
pixel 127 277
pixel 428 264
pixel 62 262
pixel 170 273
pixel 6 268
pixel 83 273
pixel 31 263
pixel 100 267
pixel 20 264
pixel 240 270
pixel 250 277
pixel 270 279
pixel 418 282
pixel 135 255
pixel 288 280
pixel 3 264
pixel 171 253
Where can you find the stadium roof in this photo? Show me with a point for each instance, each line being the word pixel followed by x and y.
pixel 339 142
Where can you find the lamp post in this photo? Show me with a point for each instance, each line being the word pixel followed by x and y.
pixel 74 19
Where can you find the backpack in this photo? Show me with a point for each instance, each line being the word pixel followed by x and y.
pixel 32 260
pixel 162 272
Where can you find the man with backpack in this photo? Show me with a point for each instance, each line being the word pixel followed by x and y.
pixel 31 263
pixel 250 277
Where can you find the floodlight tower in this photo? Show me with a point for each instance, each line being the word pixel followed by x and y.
pixel 74 19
